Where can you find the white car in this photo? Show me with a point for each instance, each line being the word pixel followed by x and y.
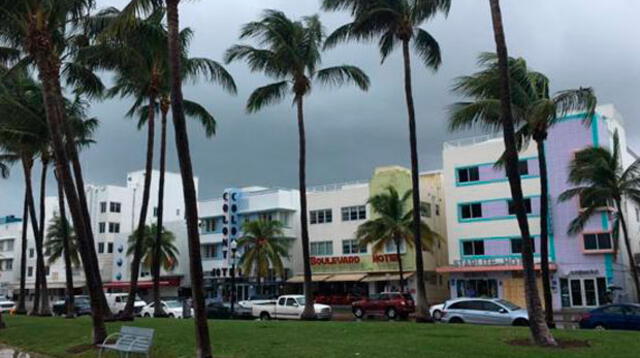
pixel 117 302
pixel 289 307
pixel 7 306
pixel 436 311
pixel 172 308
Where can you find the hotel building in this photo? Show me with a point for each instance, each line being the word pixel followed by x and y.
pixel 341 267
pixel 484 238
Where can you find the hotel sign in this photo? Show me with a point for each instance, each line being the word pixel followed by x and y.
pixel 351 260
pixel 503 261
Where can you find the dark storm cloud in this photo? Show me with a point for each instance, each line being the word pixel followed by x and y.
pixel 575 42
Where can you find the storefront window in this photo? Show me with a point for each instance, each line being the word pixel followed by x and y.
pixel 564 292
pixel 576 293
pixel 477 288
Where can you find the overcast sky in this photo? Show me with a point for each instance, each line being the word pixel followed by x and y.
pixel 574 42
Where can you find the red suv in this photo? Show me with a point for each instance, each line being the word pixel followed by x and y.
pixel 389 304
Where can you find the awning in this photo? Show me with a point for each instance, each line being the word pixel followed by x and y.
pixel 142 284
pixel 492 268
pixel 347 277
pixel 386 277
pixel 314 278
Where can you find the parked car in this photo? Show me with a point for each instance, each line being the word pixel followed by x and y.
pixel 173 309
pixel 389 304
pixel 436 311
pixel 81 306
pixel 289 307
pixel 337 299
pixel 117 302
pixel 246 305
pixel 615 316
pixel 7 306
pixel 485 311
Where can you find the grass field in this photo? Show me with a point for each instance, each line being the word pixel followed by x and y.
pixel 175 338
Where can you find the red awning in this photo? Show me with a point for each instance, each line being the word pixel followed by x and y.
pixel 493 268
pixel 143 284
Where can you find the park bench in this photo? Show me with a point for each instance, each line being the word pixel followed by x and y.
pixel 131 340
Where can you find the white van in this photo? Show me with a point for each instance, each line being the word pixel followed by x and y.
pixel 117 302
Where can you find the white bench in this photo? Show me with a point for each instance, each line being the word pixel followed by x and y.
pixel 131 340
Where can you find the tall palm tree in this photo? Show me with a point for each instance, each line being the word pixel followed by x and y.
pixel 601 180
pixel 394 226
pixel 168 251
pixel 394 22
pixel 38 29
pixel 539 329
pixel 291 55
pixel 263 246
pixel 535 112
pixel 63 243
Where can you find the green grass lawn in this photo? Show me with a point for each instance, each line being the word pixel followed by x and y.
pixel 175 338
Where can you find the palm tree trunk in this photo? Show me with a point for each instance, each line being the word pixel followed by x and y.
pixel 142 219
pixel 544 234
pixel 539 330
pixel 22 307
pixel 48 65
pixel 70 309
pixel 309 312
pixel 627 243
pixel 203 345
pixel 45 309
pixel 27 166
pixel 397 241
pixel 422 308
pixel 157 312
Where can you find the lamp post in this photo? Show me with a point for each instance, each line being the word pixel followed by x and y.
pixel 234 248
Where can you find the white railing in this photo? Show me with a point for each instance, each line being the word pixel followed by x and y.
pixel 463 142
pixel 334 186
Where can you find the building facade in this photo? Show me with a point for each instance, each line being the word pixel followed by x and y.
pixel 10 238
pixel 484 237
pixel 341 267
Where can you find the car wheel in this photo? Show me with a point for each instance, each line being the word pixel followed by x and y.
pixel 456 320
pixel 359 313
pixel 599 327
pixel 147 315
pixel 264 316
pixel 392 313
pixel 521 322
pixel 171 315
pixel 437 315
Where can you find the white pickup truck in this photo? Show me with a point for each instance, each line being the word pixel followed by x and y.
pixel 288 307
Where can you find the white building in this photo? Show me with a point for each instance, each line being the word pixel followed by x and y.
pixel 10 237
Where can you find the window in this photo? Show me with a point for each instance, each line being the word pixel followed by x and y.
pixel 585 203
pixel 102 227
pixel 322 248
pixel 512 207
pixel 32 253
pixel 209 225
pixel 268 216
pixel 469 211
pixel 353 247
pixel 8 265
pixel 30 271
pixel 637 215
pixel 425 209
pixel 177 212
pixel 516 246
pixel 490 306
pixel 114 207
pixel 390 247
pixel 523 167
pixel 212 251
pixel 353 213
pixel 291 302
pixel 103 206
pixel 114 227
pixel 473 247
pixel 320 216
pixel 155 211
pixel 597 241
pixel 110 247
pixel 466 175
pixel 101 247
pixel 437 210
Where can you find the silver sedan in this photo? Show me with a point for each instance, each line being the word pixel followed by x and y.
pixel 485 311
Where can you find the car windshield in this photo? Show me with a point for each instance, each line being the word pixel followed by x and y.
pixel 301 301
pixel 511 306
pixel 173 304
pixel 407 296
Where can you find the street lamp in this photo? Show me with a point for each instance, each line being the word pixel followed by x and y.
pixel 234 247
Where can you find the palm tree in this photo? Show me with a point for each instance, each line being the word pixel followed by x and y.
pixel 63 243
pixel 291 55
pixel 601 181
pixel 394 226
pixel 395 22
pixel 535 112
pixel 38 29
pixel 168 251
pixel 539 330
pixel 263 246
